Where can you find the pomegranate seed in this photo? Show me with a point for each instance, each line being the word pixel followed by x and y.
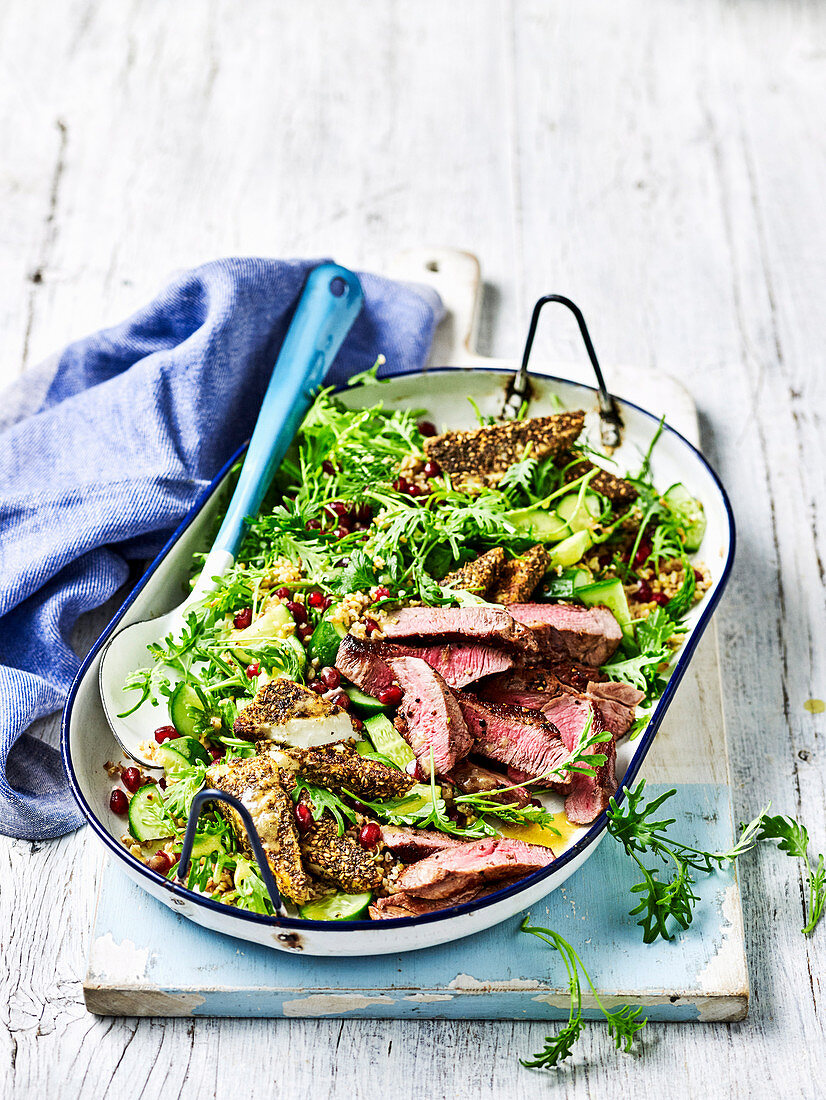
pixel 160 862
pixel 660 599
pixel 401 485
pixel 315 599
pixel 369 626
pixel 416 491
pixel 413 769
pixel 297 611
pixel 369 835
pixel 305 631
pixel 328 467
pixel 118 802
pixel 604 559
pixel 217 752
pixel 641 556
pixel 162 784
pixel 357 723
pixel 431 469
pixel 318 686
pixel 341 532
pixel 284 593
pixel 331 677
pixel 313 525
pixel 342 700
pixel 243 619
pixel 381 593
pixel 131 779
pixel 338 509
pixel 253 669
pixel 303 817
pixel 363 513
pixel 328 602
pixel 390 697
pixel 427 427
pixel 644 593
pixel 698 576
pixel 165 733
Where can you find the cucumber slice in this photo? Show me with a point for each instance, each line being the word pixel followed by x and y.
pixel 189 749
pixel 336 907
pixel 325 640
pixel 265 627
pixel 539 523
pixel 564 585
pixel 147 817
pixel 183 697
pixel 205 844
pixel 364 703
pixel 579 514
pixel 388 741
pixel 689 514
pixel 608 594
pixel 570 550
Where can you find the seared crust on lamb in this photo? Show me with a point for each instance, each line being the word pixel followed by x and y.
pixel 615 488
pixel 519 577
pixel 484 454
pixel 339 767
pixel 478 575
pixel 255 782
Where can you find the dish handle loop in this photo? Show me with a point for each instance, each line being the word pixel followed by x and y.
pixel 210 795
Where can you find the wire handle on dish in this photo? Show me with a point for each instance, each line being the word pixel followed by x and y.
pixel 330 302
pixel 209 795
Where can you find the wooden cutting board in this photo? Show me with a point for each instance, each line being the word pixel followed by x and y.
pixel 147 961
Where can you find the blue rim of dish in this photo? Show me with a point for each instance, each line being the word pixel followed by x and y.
pixel 576 849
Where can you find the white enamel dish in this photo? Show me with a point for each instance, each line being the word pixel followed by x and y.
pixel 88 742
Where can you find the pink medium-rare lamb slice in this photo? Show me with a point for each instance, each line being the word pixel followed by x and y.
pixel 406 905
pixel 363 665
pixel 586 634
pixel 587 795
pixel 412 844
pixel 617 704
pixel 485 624
pixel 432 721
pixel 515 736
pixel 458 663
pixel 472 865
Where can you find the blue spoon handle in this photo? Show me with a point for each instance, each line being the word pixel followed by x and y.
pixel 329 304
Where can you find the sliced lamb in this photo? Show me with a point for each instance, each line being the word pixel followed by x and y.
pixel 472 778
pixel 617 703
pixel 484 624
pixel 587 634
pixel 432 720
pixel 449 873
pixel 588 794
pixel 458 663
pixel 412 844
pixel 406 905
pixel 520 738
pixel 363 666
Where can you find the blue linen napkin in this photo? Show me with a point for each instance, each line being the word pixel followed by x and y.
pixel 103 450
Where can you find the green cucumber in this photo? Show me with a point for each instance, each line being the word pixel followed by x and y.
pixel 183 698
pixel 689 513
pixel 565 584
pixel 364 703
pixel 570 550
pixel 539 523
pixel 579 514
pixel 388 741
pixel 147 818
pixel 336 907
pixel 265 627
pixel 325 640
pixel 608 594
pixel 182 752
pixel 206 844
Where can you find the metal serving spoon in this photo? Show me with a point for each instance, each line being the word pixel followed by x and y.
pixel 331 301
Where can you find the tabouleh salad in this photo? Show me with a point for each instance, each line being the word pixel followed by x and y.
pixel 424 633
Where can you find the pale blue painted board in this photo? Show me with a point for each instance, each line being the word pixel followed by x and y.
pixel 187 970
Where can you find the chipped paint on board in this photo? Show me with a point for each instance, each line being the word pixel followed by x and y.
pixel 726 969
pixel 429 998
pixel 117 962
pixel 466 983
pixel 332 1004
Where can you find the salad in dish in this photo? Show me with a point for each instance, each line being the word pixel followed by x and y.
pixel 416 673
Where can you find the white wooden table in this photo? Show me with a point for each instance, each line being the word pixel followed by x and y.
pixel 663 165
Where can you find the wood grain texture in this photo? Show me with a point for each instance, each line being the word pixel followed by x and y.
pixel 663 165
